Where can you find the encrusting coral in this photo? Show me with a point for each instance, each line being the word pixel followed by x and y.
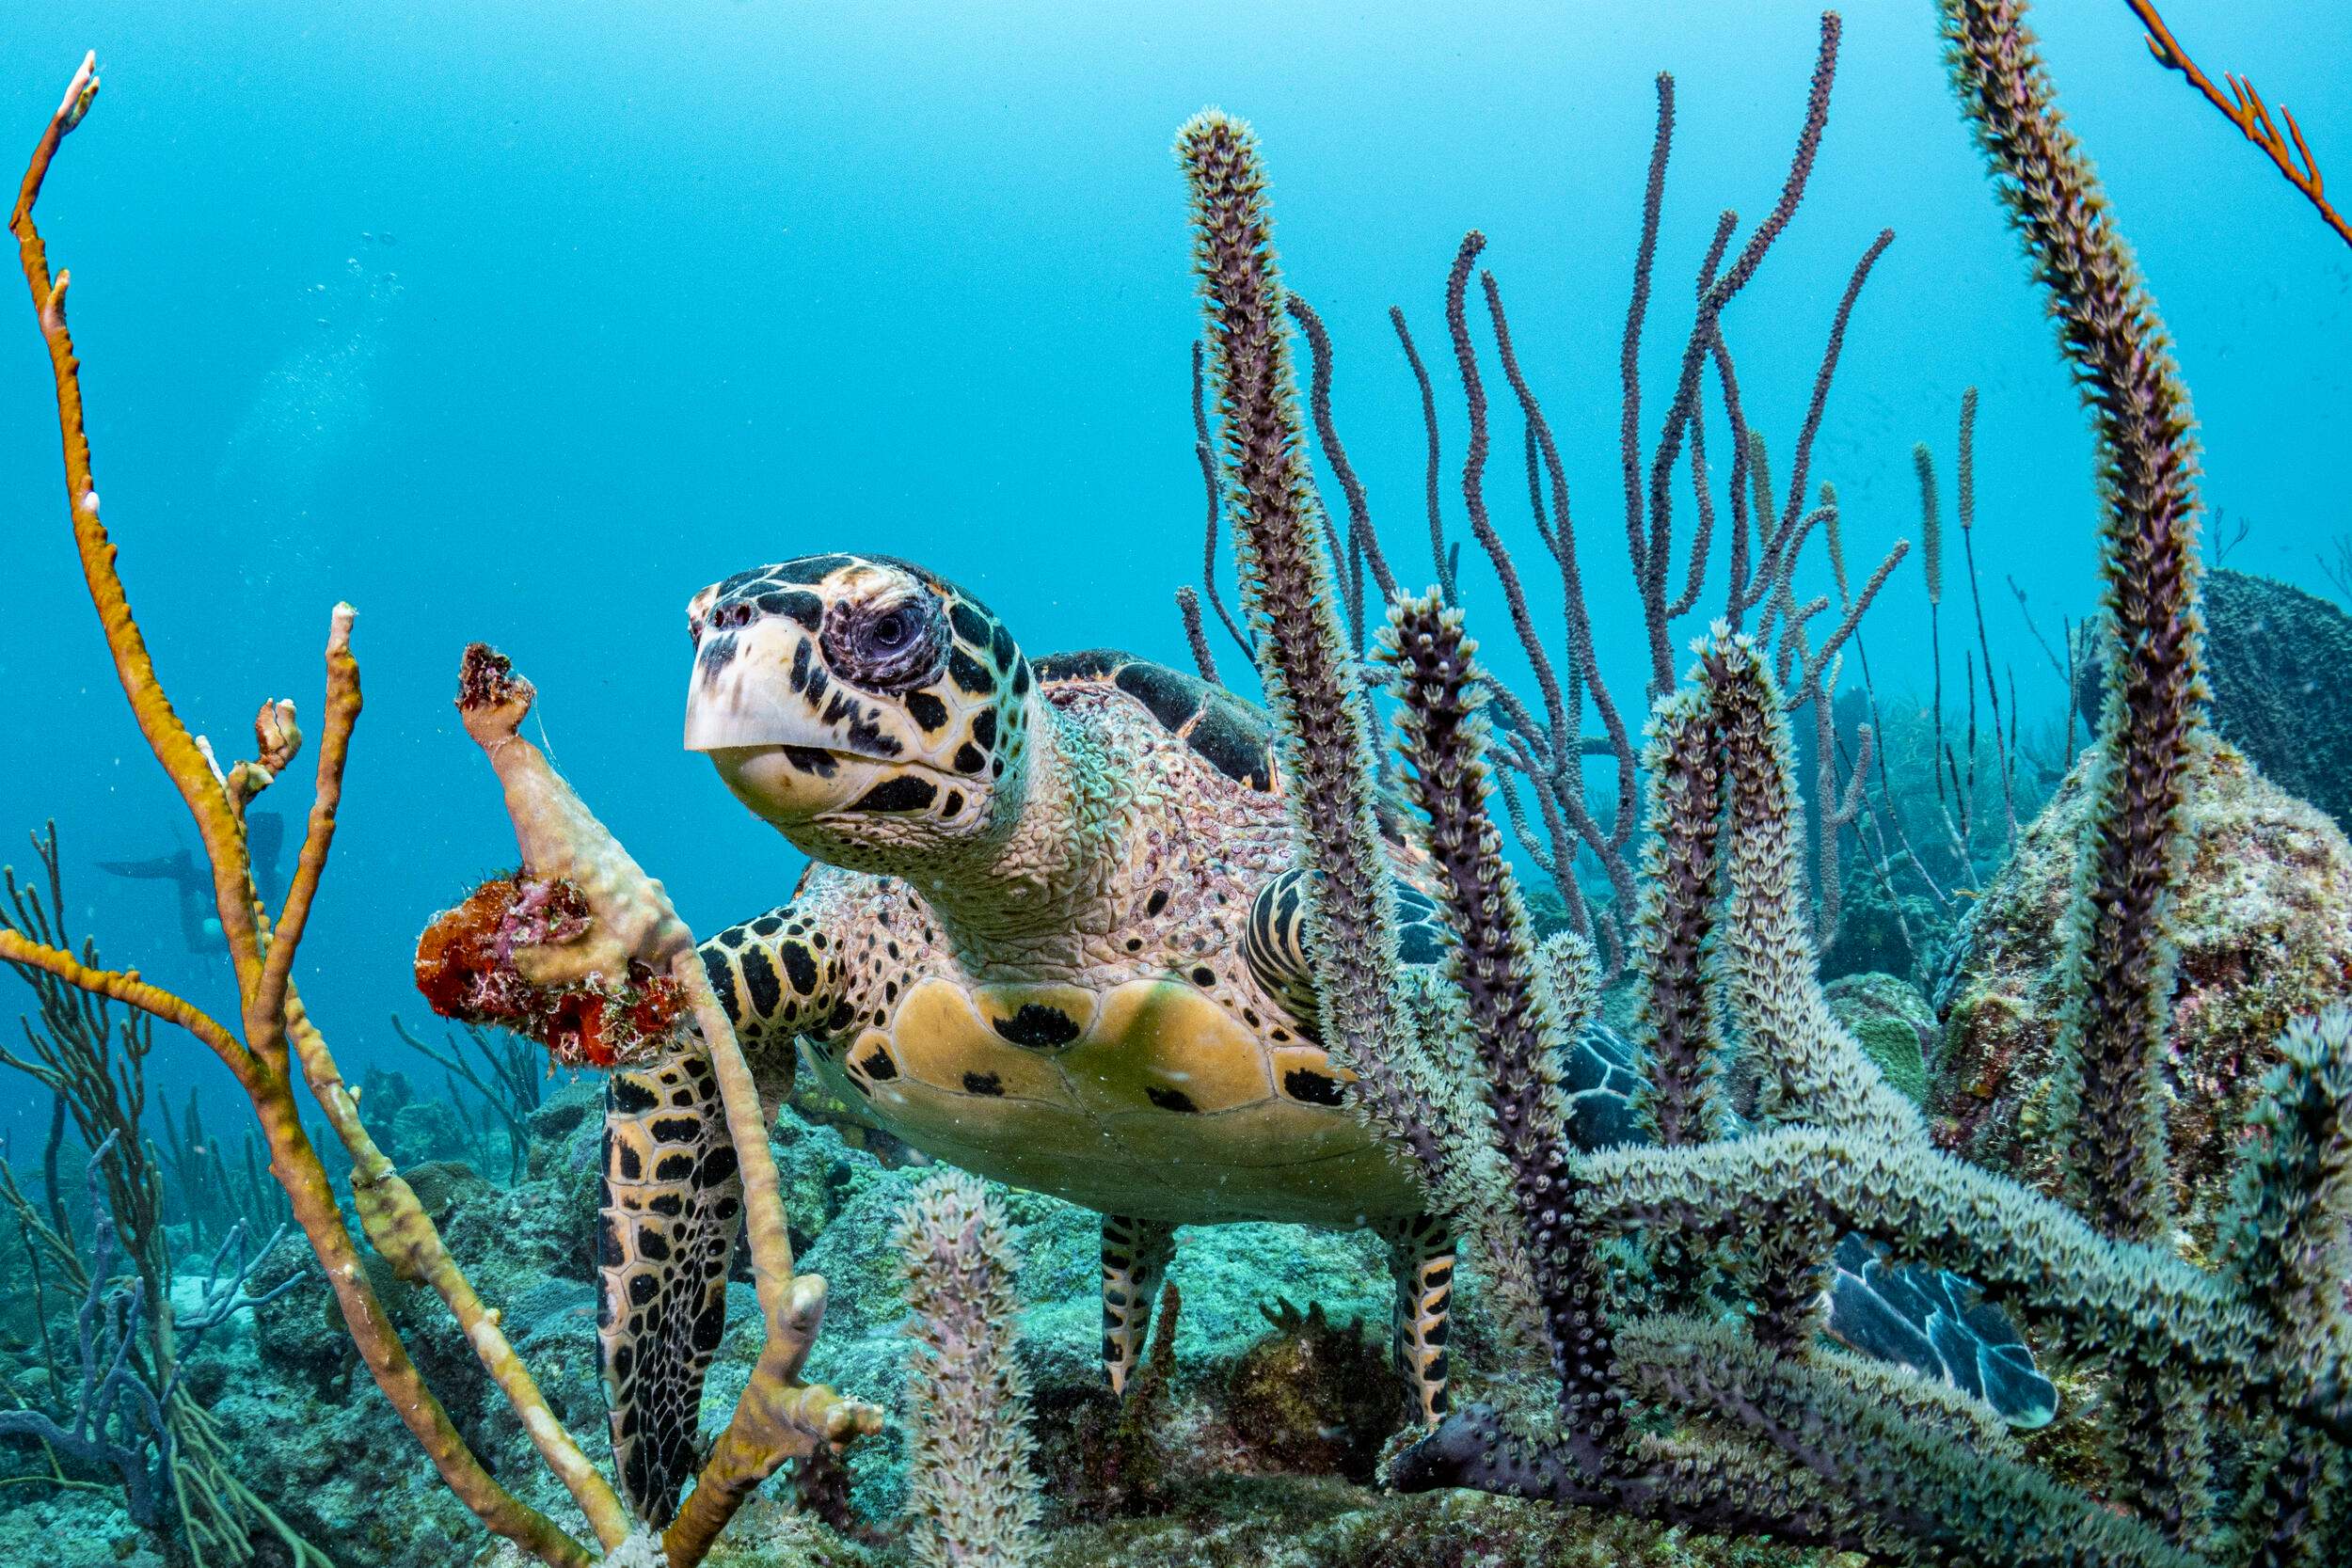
pixel 972 1492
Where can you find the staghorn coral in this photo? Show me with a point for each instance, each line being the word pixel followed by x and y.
pixel 971 1493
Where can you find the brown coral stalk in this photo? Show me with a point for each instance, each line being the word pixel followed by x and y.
pixel 257 1060
pixel 1442 687
pixel 2121 962
pixel 1304 657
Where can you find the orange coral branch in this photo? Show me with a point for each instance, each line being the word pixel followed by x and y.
pixel 166 737
pixel 406 1237
pixel 219 819
pixel 2249 114
pixel 128 988
pixel 342 716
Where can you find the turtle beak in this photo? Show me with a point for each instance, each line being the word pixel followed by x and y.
pixel 749 686
pixel 760 705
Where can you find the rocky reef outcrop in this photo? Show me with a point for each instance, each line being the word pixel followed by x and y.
pixel 2265 934
pixel 2277 658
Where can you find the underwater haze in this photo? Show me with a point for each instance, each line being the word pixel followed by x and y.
pixel 519 323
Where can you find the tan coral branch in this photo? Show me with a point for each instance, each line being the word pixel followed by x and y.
pixel 293 1161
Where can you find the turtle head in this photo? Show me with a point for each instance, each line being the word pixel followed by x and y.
pixel 872 712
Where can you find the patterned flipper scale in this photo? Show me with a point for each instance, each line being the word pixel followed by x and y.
pixel 1421 1260
pixel 1933 1321
pixel 1135 1254
pixel 673 1203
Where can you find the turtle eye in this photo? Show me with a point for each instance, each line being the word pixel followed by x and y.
pixel 894 645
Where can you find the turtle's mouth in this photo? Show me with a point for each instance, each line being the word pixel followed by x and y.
pixel 791 784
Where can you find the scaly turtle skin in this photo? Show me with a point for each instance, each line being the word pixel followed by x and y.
pixel 1052 932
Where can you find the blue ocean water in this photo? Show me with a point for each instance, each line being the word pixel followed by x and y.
pixel 522 322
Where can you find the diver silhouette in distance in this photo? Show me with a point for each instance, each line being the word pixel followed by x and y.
pixel 199 926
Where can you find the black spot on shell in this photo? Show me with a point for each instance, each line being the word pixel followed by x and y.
pixel 717 1166
pixel 877 1065
pixel 904 793
pixel 630 1097
pixel 926 710
pixel 1233 739
pixel 1021 680
pixel 759 979
pixel 1172 1099
pixel 1081 664
pixel 1172 698
pixel 1000 647
pixel 669 1205
pixel 1312 1087
pixel 1203 975
pixel 674 1168
pixel 1157 902
pixel 767 925
pixel 626 1163
pixel 643 1288
pixel 953 805
pixel 609 1252
pixel 798 967
pixel 1038 1026
pixel 652 1247
pixel 675 1129
pixel 1418 943
pixel 799 664
pixel 984 728
pixel 983 1084
pixel 968 759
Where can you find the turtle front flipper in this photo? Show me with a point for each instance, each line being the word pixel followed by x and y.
pixel 1420 1256
pixel 1274 941
pixel 778 977
pixel 1135 1254
pixel 673 1202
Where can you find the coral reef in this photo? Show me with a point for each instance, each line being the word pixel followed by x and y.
pixel 2277 654
pixel 2265 928
pixel 1894 1024
pixel 1776 1435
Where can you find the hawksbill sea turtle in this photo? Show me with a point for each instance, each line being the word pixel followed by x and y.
pixel 1052 931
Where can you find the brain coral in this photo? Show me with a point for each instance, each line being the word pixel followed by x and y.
pixel 2265 932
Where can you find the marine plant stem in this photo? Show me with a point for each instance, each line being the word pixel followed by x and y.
pixel 257 1060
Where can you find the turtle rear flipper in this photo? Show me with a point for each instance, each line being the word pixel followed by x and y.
pixel 673 1202
pixel 1936 1324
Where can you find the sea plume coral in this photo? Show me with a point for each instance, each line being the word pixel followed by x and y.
pixel 971 1495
